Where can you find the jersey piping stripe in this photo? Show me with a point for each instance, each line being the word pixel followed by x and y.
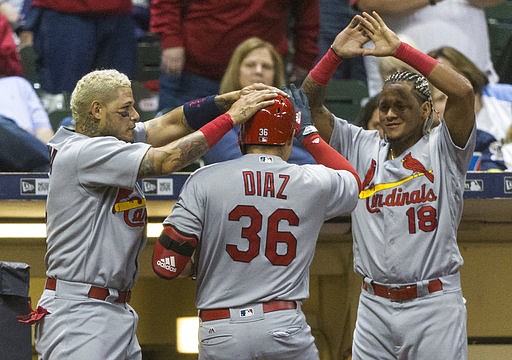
pixel 128 205
pixel 379 187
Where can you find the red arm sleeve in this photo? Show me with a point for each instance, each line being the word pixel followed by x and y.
pixel 327 156
pixel 172 252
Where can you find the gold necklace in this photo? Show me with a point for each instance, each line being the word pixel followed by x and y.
pixel 391 154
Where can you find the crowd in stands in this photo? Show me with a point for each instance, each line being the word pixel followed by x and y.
pixel 24 124
pixel 204 49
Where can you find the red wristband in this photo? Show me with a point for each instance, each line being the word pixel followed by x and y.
pixel 325 68
pixel 216 129
pixel 418 60
pixel 327 156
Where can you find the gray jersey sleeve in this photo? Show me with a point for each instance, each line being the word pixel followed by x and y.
pixel 342 187
pixel 347 139
pixel 140 133
pixel 108 161
pixel 461 157
pixel 188 211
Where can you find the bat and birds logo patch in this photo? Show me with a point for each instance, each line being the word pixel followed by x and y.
pixel 408 162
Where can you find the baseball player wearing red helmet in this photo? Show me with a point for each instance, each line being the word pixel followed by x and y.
pixel 253 223
pixel 405 223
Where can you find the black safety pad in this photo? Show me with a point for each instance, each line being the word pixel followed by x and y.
pixel 14 278
pixel 15 338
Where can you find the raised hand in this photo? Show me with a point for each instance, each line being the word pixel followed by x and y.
pixel 349 42
pixel 260 86
pixel 301 105
pixel 173 60
pixel 385 40
pixel 249 103
pixel 224 101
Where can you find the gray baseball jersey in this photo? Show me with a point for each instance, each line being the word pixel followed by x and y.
pixel 96 222
pixel 258 219
pixel 96 215
pixel 404 229
pixel 405 223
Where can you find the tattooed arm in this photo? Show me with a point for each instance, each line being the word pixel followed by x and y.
pixel 176 155
pixel 166 128
pixel 322 117
pixel 348 43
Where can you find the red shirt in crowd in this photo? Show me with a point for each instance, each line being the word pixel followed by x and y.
pixel 10 62
pixel 210 30
pixel 107 7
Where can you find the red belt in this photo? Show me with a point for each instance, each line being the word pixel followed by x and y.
pixel 274 305
pixel 94 292
pixel 402 293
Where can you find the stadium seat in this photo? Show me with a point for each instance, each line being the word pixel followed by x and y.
pixel 148 60
pixel 343 97
pixel 499 22
pixel 28 62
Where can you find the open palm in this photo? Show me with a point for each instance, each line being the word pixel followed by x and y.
pixel 349 42
pixel 385 40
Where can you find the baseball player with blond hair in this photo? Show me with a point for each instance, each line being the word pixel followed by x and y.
pixel 405 223
pixel 96 213
pixel 253 223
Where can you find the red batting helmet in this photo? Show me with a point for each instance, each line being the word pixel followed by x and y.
pixel 273 125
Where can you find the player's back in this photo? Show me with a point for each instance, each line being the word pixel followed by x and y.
pixel 258 220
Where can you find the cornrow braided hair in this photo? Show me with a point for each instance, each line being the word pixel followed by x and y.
pixel 421 89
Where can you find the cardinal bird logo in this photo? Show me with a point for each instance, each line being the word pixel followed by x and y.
pixel 416 166
pixel 369 174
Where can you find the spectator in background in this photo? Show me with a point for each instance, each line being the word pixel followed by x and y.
pixel 24 124
pixel 16 11
pixel 334 13
pixel 253 61
pixel 10 62
pixel 72 38
pixel 493 107
pixel 11 10
pixel 368 117
pixel 507 150
pixel 140 13
pixel 196 47
pixel 431 24
pixel 20 102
